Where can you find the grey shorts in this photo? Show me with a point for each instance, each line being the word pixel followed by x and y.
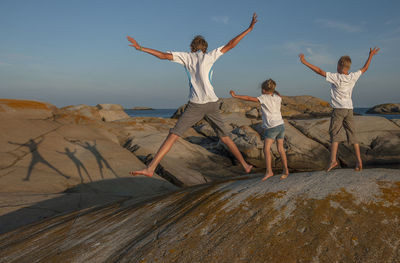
pixel 277 132
pixel 195 112
pixel 342 118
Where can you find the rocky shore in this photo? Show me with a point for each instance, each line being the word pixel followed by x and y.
pixel 387 108
pixel 72 165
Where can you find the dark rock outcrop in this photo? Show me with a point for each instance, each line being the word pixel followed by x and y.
pixel 387 108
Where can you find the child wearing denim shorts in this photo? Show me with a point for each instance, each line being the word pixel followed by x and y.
pixel 272 122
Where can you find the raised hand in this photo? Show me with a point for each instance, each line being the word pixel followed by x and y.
pixel 133 41
pixel 373 51
pixel 301 56
pixel 253 21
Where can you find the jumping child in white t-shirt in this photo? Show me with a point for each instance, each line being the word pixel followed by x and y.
pixel 342 84
pixel 272 122
pixel 203 103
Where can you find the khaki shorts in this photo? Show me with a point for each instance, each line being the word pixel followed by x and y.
pixel 195 112
pixel 342 118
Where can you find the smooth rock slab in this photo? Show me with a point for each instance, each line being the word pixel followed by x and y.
pixel 303 153
pixel 379 139
pixel 25 109
pixel 111 112
pixel 343 216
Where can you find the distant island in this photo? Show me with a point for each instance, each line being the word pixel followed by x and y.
pixel 387 108
pixel 141 108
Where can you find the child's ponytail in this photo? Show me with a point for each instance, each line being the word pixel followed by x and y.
pixel 269 86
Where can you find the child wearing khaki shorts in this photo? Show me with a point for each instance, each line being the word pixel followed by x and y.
pixel 203 103
pixel 342 84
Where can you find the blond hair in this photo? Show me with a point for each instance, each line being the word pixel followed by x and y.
pixel 344 62
pixel 199 43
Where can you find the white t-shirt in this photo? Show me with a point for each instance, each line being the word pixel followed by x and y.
pixel 199 68
pixel 342 88
pixel 271 110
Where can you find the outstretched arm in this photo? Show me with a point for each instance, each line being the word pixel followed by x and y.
pixel 15 143
pixel 156 53
pixel 243 97
pixel 311 66
pixel 372 52
pixel 231 44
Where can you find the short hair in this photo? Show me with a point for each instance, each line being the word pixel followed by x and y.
pixel 269 85
pixel 199 43
pixel 344 62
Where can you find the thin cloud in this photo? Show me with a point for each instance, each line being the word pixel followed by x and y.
pixel 392 21
pixel 4 63
pixel 316 53
pixel 221 19
pixel 299 46
pixel 15 59
pixel 390 36
pixel 339 25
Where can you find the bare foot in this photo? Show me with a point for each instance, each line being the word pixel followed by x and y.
pixel 248 168
pixel 358 167
pixel 285 174
pixel 331 166
pixel 267 175
pixel 147 172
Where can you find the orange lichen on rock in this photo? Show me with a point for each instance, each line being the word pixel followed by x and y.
pixel 24 104
pixel 324 104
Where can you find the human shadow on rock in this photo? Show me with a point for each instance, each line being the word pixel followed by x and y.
pixel 36 157
pixel 77 163
pixel 99 158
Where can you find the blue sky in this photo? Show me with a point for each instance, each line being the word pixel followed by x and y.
pixel 73 52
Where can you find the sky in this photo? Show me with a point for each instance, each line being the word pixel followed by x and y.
pixel 76 52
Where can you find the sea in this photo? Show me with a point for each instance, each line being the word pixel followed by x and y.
pixel 167 113
pixel 163 113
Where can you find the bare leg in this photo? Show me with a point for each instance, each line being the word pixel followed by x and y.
pixel 164 149
pixel 333 163
pixel 79 172
pixel 282 153
pixel 86 171
pixel 268 158
pixel 358 156
pixel 30 168
pixel 235 151
pixel 55 169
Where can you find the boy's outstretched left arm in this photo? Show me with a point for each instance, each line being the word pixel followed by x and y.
pixel 231 44
pixel 156 53
pixel 372 52
pixel 311 66
pixel 243 97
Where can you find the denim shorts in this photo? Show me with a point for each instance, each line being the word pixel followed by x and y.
pixel 277 132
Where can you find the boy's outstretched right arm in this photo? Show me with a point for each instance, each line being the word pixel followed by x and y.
pixel 156 53
pixel 231 44
pixel 243 97
pixel 311 66
pixel 372 52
